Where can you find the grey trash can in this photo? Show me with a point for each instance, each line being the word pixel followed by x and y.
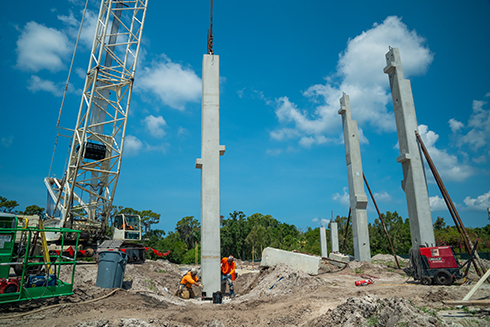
pixel 110 273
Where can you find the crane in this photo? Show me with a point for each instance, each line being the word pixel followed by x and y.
pixel 83 197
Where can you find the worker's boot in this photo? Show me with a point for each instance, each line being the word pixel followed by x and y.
pixel 232 291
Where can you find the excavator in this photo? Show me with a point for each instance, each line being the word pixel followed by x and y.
pixel 82 199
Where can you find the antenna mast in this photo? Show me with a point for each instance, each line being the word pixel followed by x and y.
pixel 210 33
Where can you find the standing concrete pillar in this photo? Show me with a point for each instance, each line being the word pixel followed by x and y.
pixel 334 237
pixel 414 183
pixel 323 242
pixel 209 163
pixel 358 198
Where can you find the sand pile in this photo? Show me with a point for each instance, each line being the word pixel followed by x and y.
pixel 370 310
pixel 280 280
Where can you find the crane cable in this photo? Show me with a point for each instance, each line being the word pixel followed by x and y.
pixel 66 87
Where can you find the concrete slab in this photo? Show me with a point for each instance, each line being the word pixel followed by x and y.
pixel 339 257
pixel 303 262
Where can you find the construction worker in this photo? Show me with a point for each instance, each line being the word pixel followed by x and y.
pixel 185 290
pixel 228 274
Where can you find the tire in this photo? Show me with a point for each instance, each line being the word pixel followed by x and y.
pixel 443 277
pixel 10 289
pixel 426 281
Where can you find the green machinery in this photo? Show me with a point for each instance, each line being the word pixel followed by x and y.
pixel 27 269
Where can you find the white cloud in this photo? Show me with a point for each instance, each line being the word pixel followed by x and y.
pixel 40 47
pixel 455 125
pixel 172 83
pixel 273 152
pixel 437 203
pixel 155 125
pixel 182 131
pixel 476 134
pixel 481 203
pixel 383 196
pixel 448 165
pixel 360 75
pixel 6 141
pixel 343 199
pixel 36 84
pixel 323 222
pixel 132 145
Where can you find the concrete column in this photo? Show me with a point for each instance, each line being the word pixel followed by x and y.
pixel 414 183
pixel 358 198
pixel 323 242
pixel 209 163
pixel 334 237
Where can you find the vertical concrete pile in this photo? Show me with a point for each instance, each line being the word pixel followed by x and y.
pixel 358 198
pixel 209 163
pixel 414 183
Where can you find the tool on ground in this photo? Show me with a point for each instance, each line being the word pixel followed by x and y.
pixel 276 282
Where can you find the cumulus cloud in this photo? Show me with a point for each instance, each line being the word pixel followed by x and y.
pixel 323 222
pixel 36 84
pixel 40 47
pixel 437 203
pixel 360 75
pixel 155 125
pixel 481 203
pixel 475 134
pixel 448 165
pixel 132 145
pixel 382 196
pixel 455 125
pixel 343 199
pixel 173 84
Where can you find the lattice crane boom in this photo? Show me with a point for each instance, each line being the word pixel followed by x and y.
pixel 84 196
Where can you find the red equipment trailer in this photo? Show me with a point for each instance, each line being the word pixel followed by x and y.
pixel 436 265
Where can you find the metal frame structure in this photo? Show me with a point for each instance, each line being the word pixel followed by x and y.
pixel 84 196
pixel 32 282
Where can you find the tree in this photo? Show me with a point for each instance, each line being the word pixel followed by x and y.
pixel 234 230
pixel 149 218
pixel 8 205
pixel 189 230
pixel 440 224
pixel 34 210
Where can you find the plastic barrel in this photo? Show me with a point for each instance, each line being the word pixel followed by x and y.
pixel 110 273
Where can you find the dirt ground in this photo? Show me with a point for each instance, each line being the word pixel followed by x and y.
pixel 273 296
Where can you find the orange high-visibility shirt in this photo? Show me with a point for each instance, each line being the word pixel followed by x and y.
pixel 227 268
pixel 188 280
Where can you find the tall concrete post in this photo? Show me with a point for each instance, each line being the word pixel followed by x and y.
pixel 209 163
pixel 334 237
pixel 358 198
pixel 414 183
pixel 323 242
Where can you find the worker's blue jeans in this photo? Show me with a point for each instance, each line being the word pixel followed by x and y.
pixel 228 279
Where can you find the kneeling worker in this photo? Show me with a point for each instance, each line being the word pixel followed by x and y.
pixel 185 290
pixel 227 274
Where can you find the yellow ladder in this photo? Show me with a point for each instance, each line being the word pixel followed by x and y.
pixel 44 243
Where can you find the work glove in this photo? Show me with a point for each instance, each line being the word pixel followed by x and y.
pixel 228 276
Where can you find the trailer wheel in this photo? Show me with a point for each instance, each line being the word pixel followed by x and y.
pixel 443 277
pixel 10 289
pixel 426 281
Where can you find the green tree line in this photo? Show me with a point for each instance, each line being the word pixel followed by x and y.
pixel 245 237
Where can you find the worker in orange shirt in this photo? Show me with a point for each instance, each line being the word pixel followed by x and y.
pixel 228 274
pixel 185 290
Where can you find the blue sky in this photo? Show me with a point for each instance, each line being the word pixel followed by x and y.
pixel 284 66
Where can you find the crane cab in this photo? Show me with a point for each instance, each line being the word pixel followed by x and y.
pixel 127 227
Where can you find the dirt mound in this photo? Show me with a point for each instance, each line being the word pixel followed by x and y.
pixel 370 310
pixel 280 280
pixel 384 258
